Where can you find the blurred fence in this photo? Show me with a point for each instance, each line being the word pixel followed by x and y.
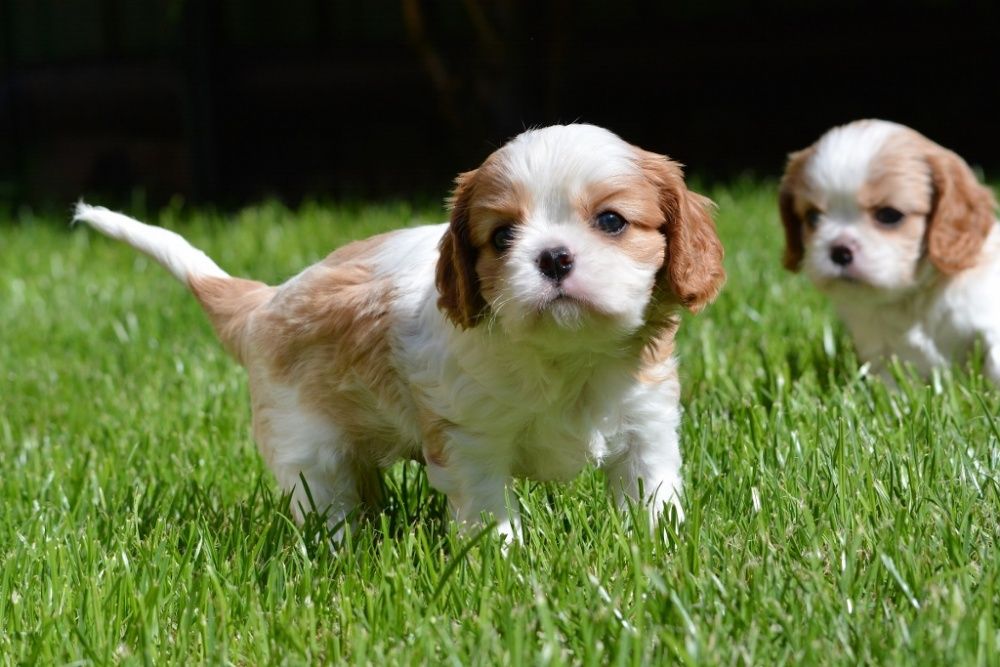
pixel 229 100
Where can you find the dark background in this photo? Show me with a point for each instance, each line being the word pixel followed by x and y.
pixel 231 101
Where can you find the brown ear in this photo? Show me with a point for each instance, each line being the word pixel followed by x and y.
pixel 692 266
pixel 790 220
pixel 962 213
pixel 457 283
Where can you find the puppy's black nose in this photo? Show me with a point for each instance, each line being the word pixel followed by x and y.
pixel 555 263
pixel 841 255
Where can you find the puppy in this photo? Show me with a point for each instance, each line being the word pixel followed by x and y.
pixel 527 337
pixel 901 236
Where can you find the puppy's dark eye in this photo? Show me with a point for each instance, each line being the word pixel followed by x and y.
pixel 888 216
pixel 812 217
pixel 611 223
pixel 503 237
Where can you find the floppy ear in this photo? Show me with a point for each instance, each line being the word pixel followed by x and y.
pixel 692 265
pixel 790 220
pixel 457 283
pixel 962 213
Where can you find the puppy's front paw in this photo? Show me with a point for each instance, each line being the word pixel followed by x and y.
pixel 668 510
pixel 503 514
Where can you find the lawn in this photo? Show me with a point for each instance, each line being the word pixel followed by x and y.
pixel 831 520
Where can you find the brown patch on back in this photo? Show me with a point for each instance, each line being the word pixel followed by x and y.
pixel 327 333
pixel 229 303
pixel 357 250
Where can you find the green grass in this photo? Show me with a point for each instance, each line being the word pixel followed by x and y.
pixel 830 520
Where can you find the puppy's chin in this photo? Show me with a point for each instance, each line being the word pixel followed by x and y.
pixel 858 285
pixel 565 312
pixel 563 320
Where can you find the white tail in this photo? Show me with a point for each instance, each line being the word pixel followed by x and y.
pixel 175 254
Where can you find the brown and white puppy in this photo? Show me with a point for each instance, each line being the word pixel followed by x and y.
pixel 529 336
pixel 902 237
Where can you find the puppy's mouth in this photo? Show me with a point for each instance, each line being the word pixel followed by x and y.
pixel 560 297
pixel 840 281
pixel 845 277
pixel 562 307
pixel 575 312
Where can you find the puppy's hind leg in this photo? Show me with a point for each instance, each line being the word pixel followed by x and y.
pixel 331 486
pixel 311 459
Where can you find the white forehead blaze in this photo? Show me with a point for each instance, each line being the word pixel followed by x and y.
pixel 844 156
pixel 558 162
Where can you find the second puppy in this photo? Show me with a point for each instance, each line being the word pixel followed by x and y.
pixel 902 237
